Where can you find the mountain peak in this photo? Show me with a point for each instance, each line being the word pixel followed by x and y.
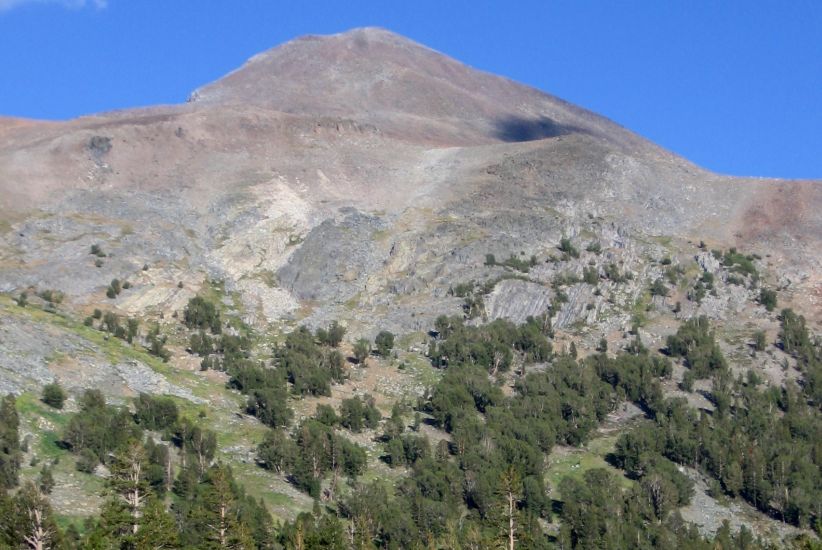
pixel 363 35
pixel 378 77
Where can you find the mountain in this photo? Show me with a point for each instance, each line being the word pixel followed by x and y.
pixel 367 133
pixel 366 179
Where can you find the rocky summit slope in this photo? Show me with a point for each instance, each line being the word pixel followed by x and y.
pixel 360 176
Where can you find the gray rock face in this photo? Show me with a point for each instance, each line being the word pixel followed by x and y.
pixel 334 261
pixel 707 262
pixel 25 350
pixel 516 300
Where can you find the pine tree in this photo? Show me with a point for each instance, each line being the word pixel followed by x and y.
pixel 157 528
pixel 222 514
pixel 128 479
pixel 509 494
pixel 203 444
pixel 34 518
pixel 113 528
pixel 10 455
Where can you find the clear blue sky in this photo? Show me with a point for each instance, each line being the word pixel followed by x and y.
pixel 735 86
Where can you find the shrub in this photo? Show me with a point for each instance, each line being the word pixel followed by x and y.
pixel 133 326
pixel 362 349
pixel 110 322
pixel 155 413
pixel 673 273
pixel 695 341
pixel 201 314
pixel 356 414
pixel 590 275
pixel 332 336
pixel 734 280
pixel 568 248
pixel 327 415
pixel 45 480
pixel 613 274
pixel 87 461
pixel 760 340
pixel 384 343
pixel 740 263
pixel 53 395
pixel 201 344
pixel 687 383
pixel 767 298
pixel 52 296
pixel 156 344
pixel 520 265
pixel 594 247
pixel 658 288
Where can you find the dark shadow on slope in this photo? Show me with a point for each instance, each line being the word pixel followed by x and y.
pixel 514 129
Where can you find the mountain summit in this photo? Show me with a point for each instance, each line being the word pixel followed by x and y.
pixel 401 86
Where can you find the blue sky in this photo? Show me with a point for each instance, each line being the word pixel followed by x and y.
pixel 735 86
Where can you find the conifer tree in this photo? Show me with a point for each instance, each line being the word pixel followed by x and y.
pixel 157 528
pixel 129 480
pixel 10 455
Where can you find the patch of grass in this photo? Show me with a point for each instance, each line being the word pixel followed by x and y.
pixel 213 291
pixel 30 406
pixel 665 241
pixel 262 485
pixel 410 338
pixel 354 301
pixel 419 369
pixel 48 447
pixel 574 463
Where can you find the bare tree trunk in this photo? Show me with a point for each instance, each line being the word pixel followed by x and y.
pixel 38 540
pixel 511 527
pixel 222 530
pixel 135 498
pixel 169 473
